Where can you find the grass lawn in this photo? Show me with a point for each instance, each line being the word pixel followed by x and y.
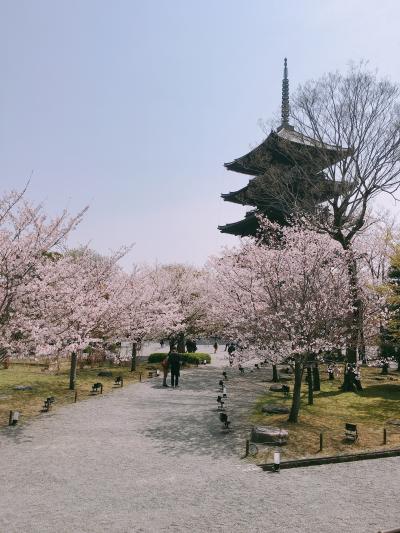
pixel 45 384
pixel 369 409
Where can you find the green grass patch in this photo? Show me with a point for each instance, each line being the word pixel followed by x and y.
pixel 45 384
pixel 370 409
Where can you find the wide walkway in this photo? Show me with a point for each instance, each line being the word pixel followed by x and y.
pixel 148 459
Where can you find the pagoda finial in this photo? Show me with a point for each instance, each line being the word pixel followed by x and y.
pixel 285 97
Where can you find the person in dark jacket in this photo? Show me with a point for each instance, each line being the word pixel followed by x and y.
pixel 174 365
pixel 231 348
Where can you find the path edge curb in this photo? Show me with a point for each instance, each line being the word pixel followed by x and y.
pixel 317 461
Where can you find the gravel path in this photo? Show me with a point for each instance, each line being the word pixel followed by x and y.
pixel 148 459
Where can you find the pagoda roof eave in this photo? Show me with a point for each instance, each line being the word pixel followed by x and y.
pixel 248 226
pixel 242 228
pixel 271 150
pixel 238 197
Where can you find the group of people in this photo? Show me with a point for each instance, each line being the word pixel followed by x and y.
pixel 172 362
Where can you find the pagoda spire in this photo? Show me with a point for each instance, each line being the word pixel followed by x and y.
pixel 285 97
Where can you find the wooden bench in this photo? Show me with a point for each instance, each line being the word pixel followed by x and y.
pixel 119 381
pixel 351 432
pixel 220 402
pixel 48 402
pixel 224 419
pixel 97 387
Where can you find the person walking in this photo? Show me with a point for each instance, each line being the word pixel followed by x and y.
pixel 175 365
pixel 165 367
pixel 215 347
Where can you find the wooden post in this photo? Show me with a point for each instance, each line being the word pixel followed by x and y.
pixel 316 377
pixel 321 441
pixel 140 376
pixel 122 381
pixel 247 447
pixel 10 418
pixel 76 396
pixel 384 436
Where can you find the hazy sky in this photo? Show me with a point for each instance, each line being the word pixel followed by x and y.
pixel 133 106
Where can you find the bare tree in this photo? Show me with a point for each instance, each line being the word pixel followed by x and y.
pixel 345 149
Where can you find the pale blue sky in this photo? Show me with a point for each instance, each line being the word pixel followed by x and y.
pixel 134 106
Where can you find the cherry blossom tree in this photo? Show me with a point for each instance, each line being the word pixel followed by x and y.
pixel 144 309
pixel 374 248
pixel 181 287
pixel 27 239
pixel 290 293
pixel 69 303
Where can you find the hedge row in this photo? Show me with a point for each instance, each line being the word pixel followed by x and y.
pixel 189 358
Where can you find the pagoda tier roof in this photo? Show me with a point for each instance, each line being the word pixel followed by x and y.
pixel 238 197
pixel 249 225
pixel 263 191
pixel 243 228
pixel 286 147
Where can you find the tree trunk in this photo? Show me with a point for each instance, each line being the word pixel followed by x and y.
pixel 181 343
pixel 310 386
pixel 348 383
pixel 4 358
pixel 72 373
pixel 316 378
pixel 356 324
pixel 275 377
pixel 294 411
pixel 361 342
pixel 133 357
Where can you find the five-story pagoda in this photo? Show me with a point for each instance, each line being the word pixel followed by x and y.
pixel 287 169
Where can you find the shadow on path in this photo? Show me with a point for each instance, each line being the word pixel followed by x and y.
pixel 197 428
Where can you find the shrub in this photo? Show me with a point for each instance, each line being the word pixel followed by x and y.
pixel 194 358
pixel 188 358
pixel 156 357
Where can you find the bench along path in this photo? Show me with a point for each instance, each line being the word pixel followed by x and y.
pixel 148 459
